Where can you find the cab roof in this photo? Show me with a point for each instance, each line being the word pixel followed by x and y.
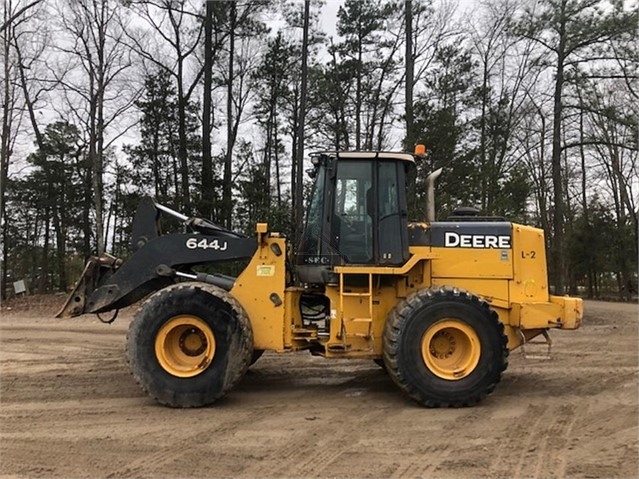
pixel 368 155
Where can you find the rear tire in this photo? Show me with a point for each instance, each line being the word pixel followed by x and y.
pixel 189 344
pixel 445 347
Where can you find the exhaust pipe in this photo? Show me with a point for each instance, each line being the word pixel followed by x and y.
pixel 430 195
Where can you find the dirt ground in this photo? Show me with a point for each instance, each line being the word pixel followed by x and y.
pixel 69 408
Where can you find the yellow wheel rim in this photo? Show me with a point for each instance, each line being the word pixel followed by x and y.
pixel 451 349
pixel 185 346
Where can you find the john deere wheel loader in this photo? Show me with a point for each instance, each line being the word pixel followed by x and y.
pixel 440 303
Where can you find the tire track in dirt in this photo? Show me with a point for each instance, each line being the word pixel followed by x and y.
pixel 309 458
pixel 441 453
pixel 154 462
pixel 554 439
pixel 316 447
pixel 299 417
pixel 547 430
pixel 442 450
pixel 562 459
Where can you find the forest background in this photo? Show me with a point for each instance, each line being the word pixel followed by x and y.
pixel 530 106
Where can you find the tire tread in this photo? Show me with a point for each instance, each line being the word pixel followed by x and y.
pixel 396 323
pixel 239 363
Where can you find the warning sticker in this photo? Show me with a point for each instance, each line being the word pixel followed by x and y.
pixel 266 270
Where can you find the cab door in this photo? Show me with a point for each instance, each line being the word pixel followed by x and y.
pixel 369 224
pixel 391 237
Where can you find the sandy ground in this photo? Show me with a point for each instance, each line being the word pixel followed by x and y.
pixel 69 408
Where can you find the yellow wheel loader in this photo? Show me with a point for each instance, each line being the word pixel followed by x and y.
pixel 440 304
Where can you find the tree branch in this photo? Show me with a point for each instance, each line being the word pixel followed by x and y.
pixel 4 26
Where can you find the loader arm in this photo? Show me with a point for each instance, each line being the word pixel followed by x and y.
pixel 109 283
pixel 106 284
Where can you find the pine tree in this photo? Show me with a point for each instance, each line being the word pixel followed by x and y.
pixel 367 59
pixel 44 205
pixel 272 79
pixel 439 115
pixel 155 161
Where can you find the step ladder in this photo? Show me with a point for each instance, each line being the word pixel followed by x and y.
pixel 538 351
pixel 368 294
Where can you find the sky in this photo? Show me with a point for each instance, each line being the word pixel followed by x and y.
pixel 330 16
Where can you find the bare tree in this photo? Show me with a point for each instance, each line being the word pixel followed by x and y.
pixel 96 91
pixel 14 15
pixel 612 129
pixel 206 205
pixel 10 116
pixel 23 38
pixel 410 73
pixel 507 75
pixel 299 157
pixel 169 40
pixel 231 123
pixel 240 58
pixel 568 30
pixel 214 38
pixel 426 29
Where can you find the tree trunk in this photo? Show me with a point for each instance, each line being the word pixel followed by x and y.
pixel 184 194
pixel 410 76
pixel 4 147
pixel 270 146
pixel 96 170
pixel 294 132
pixel 358 91
pixel 206 204
pixel 86 213
pixel 277 170
pixel 559 276
pixel 44 263
pixel 230 140
pixel 98 183
pixel 60 248
pixel 299 210
pixel 482 141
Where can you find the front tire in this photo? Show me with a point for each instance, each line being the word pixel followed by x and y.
pixel 189 344
pixel 445 347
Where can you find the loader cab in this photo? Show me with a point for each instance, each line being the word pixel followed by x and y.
pixel 357 214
